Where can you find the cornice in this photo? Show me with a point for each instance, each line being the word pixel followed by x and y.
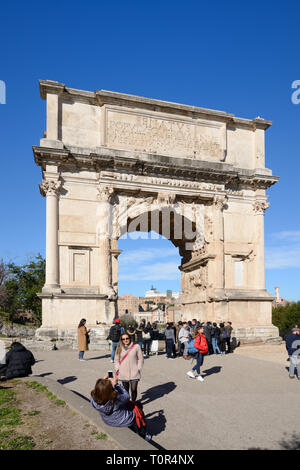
pixel 152 165
pixel 102 97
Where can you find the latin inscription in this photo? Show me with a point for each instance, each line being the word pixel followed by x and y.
pixel 163 136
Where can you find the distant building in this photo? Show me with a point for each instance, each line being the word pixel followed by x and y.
pixel 279 301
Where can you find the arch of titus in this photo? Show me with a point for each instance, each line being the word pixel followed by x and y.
pixel 114 163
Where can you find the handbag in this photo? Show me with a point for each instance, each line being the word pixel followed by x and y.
pixel 87 338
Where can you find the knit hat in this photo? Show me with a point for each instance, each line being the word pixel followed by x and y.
pixel 117 320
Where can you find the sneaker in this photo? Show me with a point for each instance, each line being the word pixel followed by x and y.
pixel 82 360
pixel 111 361
pixel 148 437
pixel 201 379
pixel 191 374
pixel 291 376
pixel 172 358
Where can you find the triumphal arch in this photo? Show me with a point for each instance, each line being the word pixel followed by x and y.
pixel 114 163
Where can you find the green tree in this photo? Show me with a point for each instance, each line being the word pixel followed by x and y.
pixel 126 320
pixel 286 317
pixel 22 286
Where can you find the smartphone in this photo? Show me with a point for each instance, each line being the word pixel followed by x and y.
pixel 110 374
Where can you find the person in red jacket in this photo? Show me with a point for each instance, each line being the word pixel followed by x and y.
pixel 202 346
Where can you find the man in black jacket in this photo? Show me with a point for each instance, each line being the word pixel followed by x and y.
pixel 114 335
pixel 18 362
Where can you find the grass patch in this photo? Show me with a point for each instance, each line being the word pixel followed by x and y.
pixel 60 402
pixel 17 443
pixel 102 435
pixel 97 435
pixel 36 386
pixel 6 396
pixel 10 416
pixel 33 413
pixel 41 388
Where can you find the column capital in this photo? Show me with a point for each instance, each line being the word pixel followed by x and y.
pixel 220 202
pixel 50 187
pixel 260 207
pixel 105 193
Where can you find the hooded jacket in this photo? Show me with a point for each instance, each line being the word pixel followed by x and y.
pixel 18 361
pixel 117 413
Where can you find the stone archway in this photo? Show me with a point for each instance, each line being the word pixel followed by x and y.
pixel 110 161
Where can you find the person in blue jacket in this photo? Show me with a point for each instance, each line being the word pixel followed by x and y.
pixel 292 344
pixel 113 403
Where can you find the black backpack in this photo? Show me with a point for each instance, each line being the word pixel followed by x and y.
pixel 115 333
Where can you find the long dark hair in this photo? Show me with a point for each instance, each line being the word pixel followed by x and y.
pixel 104 392
pixel 82 322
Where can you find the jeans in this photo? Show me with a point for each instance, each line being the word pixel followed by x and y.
pixel 199 363
pixel 186 347
pixel 147 346
pixel 294 362
pixel 114 345
pixel 81 353
pixel 169 347
pixel 215 345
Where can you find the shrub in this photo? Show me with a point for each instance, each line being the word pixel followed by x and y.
pixel 286 317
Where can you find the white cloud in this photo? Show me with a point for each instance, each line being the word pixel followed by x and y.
pixel 283 250
pixel 288 235
pixel 152 272
pixel 146 255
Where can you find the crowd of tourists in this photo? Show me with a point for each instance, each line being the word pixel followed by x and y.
pixel 116 403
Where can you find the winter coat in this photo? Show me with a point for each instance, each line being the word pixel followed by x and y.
pixel 155 334
pixel 117 413
pixel 215 332
pixel 228 330
pixel 169 334
pixel 201 343
pixel 184 335
pixel 207 332
pixel 82 341
pixel 139 334
pixel 130 368
pixel 291 345
pixel 18 362
pixel 115 333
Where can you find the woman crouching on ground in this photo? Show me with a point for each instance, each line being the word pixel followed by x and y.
pixel 112 402
pixel 128 364
pixel 202 346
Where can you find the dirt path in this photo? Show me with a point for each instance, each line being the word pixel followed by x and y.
pixel 36 419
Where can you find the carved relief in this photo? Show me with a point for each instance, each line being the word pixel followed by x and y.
pixel 259 207
pixel 220 202
pixel 105 193
pixel 50 188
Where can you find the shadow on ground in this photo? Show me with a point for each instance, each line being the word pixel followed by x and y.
pixel 212 370
pixel 98 357
pixel 67 380
pixel 157 392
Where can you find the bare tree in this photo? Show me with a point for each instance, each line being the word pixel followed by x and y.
pixel 3 278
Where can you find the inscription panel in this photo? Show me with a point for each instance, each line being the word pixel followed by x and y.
pixel 146 132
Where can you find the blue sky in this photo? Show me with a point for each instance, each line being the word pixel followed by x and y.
pixel 240 57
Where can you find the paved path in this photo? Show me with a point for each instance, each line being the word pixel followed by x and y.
pixel 243 402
